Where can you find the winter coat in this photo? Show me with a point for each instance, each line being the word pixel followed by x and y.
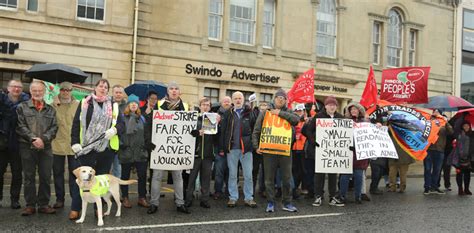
pixel 9 119
pixel 204 144
pixel 357 164
pixel 33 123
pixel 443 133
pixel 403 157
pixel 133 145
pixel 246 128
pixel 285 113
pixel 64 116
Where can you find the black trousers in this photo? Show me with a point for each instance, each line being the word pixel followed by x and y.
pixel 204 168
pixel 13 158
pixel 298 169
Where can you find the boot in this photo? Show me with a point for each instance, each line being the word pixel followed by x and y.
pixel 467 191
pixel 143 203
pixel 403 187
pixel 461 191
pixel 126 203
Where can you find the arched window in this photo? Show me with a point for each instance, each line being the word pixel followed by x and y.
pixel 394 36
pixel 326 31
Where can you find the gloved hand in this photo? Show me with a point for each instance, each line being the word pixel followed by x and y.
pixel 76 148
pixel 151 146
pixel 110 133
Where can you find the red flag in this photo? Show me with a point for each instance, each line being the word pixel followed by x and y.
pixel 405 85
pixel 369 96
pixel 303 89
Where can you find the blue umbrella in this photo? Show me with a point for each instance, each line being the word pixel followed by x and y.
pixel 141 89
pixel 446 103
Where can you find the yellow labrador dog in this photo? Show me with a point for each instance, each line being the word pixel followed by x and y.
pixel 93 188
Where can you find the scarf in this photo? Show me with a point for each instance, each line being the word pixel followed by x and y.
pixel 101 120
pixel 173 105
pixel 38 104
pixel 100 99
pixel 132 123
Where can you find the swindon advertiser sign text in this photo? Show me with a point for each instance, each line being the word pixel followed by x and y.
pixel 242 75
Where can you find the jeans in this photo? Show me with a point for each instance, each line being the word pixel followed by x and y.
pixel 377 173
pixel 116 167
pixel 309 175
pixel 432 164
pixel 141 172
pixel 233 158
pixel 177 185
pixel 271 163
pixel 100 161
pixel 201 167
pixel 221 173
pixel 32 159
pixel 358 179
pixel 257 164
pixel 13 158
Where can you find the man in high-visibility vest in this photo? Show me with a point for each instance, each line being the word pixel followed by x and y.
pixel 171 102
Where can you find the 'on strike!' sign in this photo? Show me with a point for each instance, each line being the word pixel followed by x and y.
pixel 334 137
pixel 171 133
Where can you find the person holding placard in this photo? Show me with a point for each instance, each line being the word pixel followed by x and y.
pixel 272 137
pixel 203 158
pixel 172 102
pixel 330 111
pixel 355 112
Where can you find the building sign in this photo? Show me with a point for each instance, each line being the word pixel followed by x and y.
pixel 8 47
pixel 319 87
pixel 468 40
pixel 237 74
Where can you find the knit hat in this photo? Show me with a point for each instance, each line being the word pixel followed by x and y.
pixel 282 93
pixel 173 84
pixel 133 98
pixel 330 100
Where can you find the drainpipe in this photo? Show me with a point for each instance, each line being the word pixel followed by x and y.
pixel 455 52
pixel 134 49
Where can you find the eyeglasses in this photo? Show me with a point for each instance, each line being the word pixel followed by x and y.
pixel 280 98
pixel 19 87
pixel 67 90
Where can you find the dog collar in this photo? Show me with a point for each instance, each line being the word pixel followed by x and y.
pixel 86 191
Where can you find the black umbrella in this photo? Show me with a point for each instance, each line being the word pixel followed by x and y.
pixel 141 89
pixel 56 73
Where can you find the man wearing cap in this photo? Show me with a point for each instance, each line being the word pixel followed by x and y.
pixel 236 141
pixel 172 102
pixel 10 151
pixel 330 111
pixel 434 160
pixel 65 111
pixel 271 162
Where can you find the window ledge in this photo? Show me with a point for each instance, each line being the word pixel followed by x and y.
pixel 90 20
pixel 8 8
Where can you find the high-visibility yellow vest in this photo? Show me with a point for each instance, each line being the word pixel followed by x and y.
pixel 186 106
pixel 114 141
pixel 101 186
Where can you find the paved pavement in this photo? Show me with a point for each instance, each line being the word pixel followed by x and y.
pixel 390 212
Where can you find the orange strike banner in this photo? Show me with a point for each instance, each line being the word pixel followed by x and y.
pixel 276 135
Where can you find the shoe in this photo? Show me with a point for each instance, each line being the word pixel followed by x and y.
pixel 334 201
pixel 318 201
pixel 231 203
pixel 263 194
pixel 126 203
pixel 437 191
pixel 270 207
pixel 46 210
pixel 365 197
pixel 15 205
pixel 183 209
pixel 467 192
pixel 73 215
pixel 290 208
pixel 251 203
pixel 28 211
pixel 461 192
pixel 448 189
pixel 296 196
pixel 427 191
pixel 278 193
pixel 205 204
pixel 304 192
pixel 376 192
pixel 217 195
pixel 188 204
pixel 142 202
pixel 358 201
pixel 152 209
pixel 58 204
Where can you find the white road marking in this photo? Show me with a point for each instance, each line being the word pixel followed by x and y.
pixel 214 222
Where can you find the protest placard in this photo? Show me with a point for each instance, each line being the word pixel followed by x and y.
pixel 276 135
pixel 171 133
pixel 334 137
pixel 373 142
pixel 209 122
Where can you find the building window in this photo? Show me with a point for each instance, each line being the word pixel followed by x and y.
pixel 212 94
pixel 394 43
pixel 92 79
pixel 326 29
pixel 467 82
pixel 412 48
pixel 8 3
pixel 268 23
pixel 90 9
pixel 265 97
pixel 32 5
pixel 246 94
pixel 376 34
pixel 468 19
pixel 242 21
pixel 7 75
pixel 215 19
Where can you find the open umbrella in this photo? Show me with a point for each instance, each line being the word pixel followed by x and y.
pixel 56 73
pixel 446 103
pixel 141 89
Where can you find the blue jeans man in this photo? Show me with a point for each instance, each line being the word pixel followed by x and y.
pixel 433 164
pixel 233 158
pixel 358 175
pixel 220 168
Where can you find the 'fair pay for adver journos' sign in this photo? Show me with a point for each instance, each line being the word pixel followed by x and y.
pixel 175 145
pixel 334 137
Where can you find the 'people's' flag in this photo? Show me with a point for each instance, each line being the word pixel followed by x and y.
pixel 303 89
pixel 405 85
pixel 412 129
pixel 369 96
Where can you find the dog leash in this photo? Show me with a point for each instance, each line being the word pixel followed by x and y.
pixel 76 155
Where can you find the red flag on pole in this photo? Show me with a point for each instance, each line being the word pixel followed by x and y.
pixel 369 96
pixel 303 89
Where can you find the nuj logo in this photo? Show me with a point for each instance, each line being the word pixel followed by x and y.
pixel 163 116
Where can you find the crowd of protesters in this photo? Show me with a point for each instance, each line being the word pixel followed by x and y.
pixel 113 135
